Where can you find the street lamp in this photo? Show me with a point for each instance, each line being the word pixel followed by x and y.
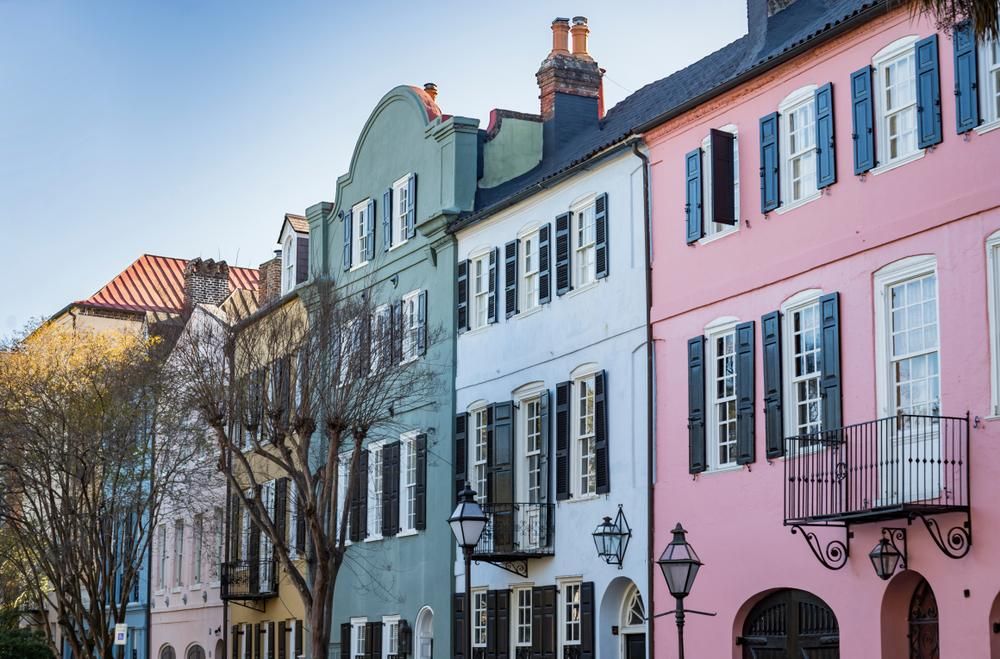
pixel 679 564
pixel 467 524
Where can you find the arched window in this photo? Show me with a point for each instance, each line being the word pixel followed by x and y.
pixel 635 609
pixel 195 652
pixel 167 652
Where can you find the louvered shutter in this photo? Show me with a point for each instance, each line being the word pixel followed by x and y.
pixel 544 273
pixel 826 152
pixel 300 645
pixel 544 632
pixel 693 205
pixel 510 277
pixel 271 645
pixel 498 624
pixel 398 330
pixel 462 295
pixel 830 390
pixel 370 228
pixel 461 437
pixel 281 508
pixel 862 117
pixel 420 491
pixel 601 265
pixel 769 163
pixel 696 405
pixel 250 640
pixel 564 282
pixel 544 431
pixel 562 440
pixel 588 644
pixel 254 550
pixel 387 220
pixel 373 640
pixel 491 625
pixel 601 452
pixel 928 92
pixel 345 640
pixel 723 176
pixel 770 328
pixel 362 494
pixel 411 206
pixel 301 260
pixel 745 377
pixel 502 476
pixel 491 296
pixel 390 489
pixel 348 224
pixel 282 640
pixel 235 641
pixel 257 645
pixel 422 323
pixel 966 84
pixel 357 501
pixel 458 627
pixel 235 530
pixel 300 524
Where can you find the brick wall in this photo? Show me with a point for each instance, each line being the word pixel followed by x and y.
pixel 206 281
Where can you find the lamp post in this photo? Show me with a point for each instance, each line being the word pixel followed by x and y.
pixel 467 524
pixel 679 564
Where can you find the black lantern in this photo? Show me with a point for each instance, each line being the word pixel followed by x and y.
pixel 468 520
pixel 612 538
pixel 679 564
pixel 887 555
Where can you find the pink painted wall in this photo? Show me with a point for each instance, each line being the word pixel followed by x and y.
pixel 945 204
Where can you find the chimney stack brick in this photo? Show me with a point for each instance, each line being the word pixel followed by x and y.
pixel 206 281
pixel 270 279
pixel 564 72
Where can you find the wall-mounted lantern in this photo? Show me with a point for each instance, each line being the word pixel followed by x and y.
pixel 612 538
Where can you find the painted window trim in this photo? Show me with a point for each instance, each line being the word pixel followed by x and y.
pixel 712 331
pixel 357 623
pixel 399 236
pixel 993 288
pixel 522 275
pixel 522 483
pixel 288 265
pixel 718 230
pixel 406 341
pixel 579 205
pixel 580 374
pixel 406 441
pixel 374 502
pixel 898 48
pixel 473 609
pixel 563 585
pixel 473 309
pixel 797 99
pixel 515 591
pixel 472 438
pixel 359 258
pixel 387 622
pixel 794 303
pixel 989 118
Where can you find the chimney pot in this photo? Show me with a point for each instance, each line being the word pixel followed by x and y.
pixel 580 32
pixel 560 37
pixel 432 90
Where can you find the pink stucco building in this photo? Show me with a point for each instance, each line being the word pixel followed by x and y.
pixel 867 290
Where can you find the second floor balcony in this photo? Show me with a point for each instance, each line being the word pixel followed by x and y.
pixel 517 531
pixel 253 579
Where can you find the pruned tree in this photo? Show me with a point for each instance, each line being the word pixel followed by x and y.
pixel 292 395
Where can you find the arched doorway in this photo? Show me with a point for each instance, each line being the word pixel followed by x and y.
pixel 424 641
pixel 791 623
pixel 922 619
pixel 632 623
pixel 220 649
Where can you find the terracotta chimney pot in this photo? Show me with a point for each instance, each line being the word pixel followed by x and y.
pixel 432 90
pixel 580 32
pixel 560 37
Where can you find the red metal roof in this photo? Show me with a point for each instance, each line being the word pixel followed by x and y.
pixel 156 283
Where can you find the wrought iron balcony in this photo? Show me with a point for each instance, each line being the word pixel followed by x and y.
pixel 249 580
pixel 517 531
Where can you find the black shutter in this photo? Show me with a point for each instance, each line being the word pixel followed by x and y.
pixel 502 477
pixel 462 295
pixel 544 422
pixel 966 81
pixel 830 391
pixel 745 377
pixel 693 206
pixel 544 274
pixel 510 277
pixel 491 296
pixel 300 645
pixel 397 332
pixel 301 260
pixel 281 508
pixel 544 632
pixel 723 177
pixel 826 161
pixel 362 494
pixel 235 530
pixel 250 639
pixel 491 625
pixel 461 439
pixel 373 640
pixel 235 640
pixel 356 531
pixel 498 624
pixel 254 549
pixel 270 641
pixel 300 523
pixel 562 440
pixel 458 628
pixel 862 117
pixel 588 644
pixel 370 226
pixel 770 334
pixel 696 405
pixel 601 454
pixel 256 641
pixel 928 92
pixel 601 236
pixel 345 640
pixel 769 162
pixel 282 640
pixel 387 219
pixel 348 222
pixel 564 283
pixel 390 489
pixel 422 323
pixel 420 491
pixel 411 206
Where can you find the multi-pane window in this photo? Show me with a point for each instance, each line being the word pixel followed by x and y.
pixel 199 537
pixel 178 553
pixel 897 107
pixel 584 241
pixel 913 346
pixel 800 159
pixel 480 431
pixel 479 618
pixel 585 435
pixel 571 614
pixel 359 247
pixel 400 200
pixel 220 548
pixel 522 617
pixel 161 576
pixel 288 264
pixel 391 637
pixel 533 448
pixel 480 275
pixel 359 639
pixel 718 228
pixel 266 544
pixel 991 71
pixel 806 406
pixel 374 491
pixel 529 272
pixel 722 398
pixel 409 473
pixel 412 326
pixel 381 338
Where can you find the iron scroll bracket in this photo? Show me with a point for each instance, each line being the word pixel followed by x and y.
pixel 834 554
pixel 518 567
pixel 956 543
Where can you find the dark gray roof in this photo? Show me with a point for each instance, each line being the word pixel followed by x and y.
pixel 801 22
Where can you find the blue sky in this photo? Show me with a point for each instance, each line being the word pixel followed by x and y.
pixel 189 127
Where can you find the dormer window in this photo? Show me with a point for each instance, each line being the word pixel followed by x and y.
pixel 288 264
pixel 294 242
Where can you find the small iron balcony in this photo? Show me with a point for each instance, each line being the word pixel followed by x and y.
pixel 517 531
pixel 249 580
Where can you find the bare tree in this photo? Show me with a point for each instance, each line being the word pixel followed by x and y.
pixel 294 393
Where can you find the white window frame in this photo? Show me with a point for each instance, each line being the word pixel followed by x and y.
pixel 359 235
pixel 411 325
pixel 288 254
pixel 399 188
pixel 989 86
pixel 218 527
pixel 585 249
pixel 381 336
pixel 478 449
pixel 802 98
pixel 390 624
pixel 891 54
pixel 247 632
pixel 586 373
pixel 796 304
pixel 266 552
pixel 197 547
pixel 178 557
pixel 516 609
pixel 890 275
pixel 345 472
pixel 407 489
pixel 292 501
pixel 715 230
pixel 359 637
pixel 993 290
pixel 376 489
pixel 527 271
pixel 479 622
pixel 479 301
pixel 566 587
pixel 161 583
pixel 715 330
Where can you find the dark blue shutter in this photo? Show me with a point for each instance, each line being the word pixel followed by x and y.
pixel 601 454
pixel 491 296
pixel 462 295
pixel 862 116
pixel 387 219
pixel 696 405
pixel 563 281
pixel 769 162
pixel 411 206
pixel 966 83
pixel 692 209
pixel 928 92
pixel 544 274
pixel 830 389
pixel 461 437
pixel 722 147
pixel 562 440
pixel 510 277
pixel 745 377
pixel 770 335
pixel 601 236
pixel 422 323
pixel 826 161
pixel 370 238
pixel 348 222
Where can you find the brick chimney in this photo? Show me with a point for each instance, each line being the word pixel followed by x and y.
pixel 269 288
pixel 569 83
pixel 205 282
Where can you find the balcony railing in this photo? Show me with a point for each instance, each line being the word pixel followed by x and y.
pixel 884 469
pixel 249 580
pixel 517 530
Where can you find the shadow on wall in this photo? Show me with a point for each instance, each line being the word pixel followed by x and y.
pixel 611 615
pixel 994 623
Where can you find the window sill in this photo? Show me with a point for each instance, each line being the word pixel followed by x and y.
pixel 215 584
pixel 195 587
pixel 407 533
pixel 720 470
pixel 530 312
pixel 399 244
pixel 409 360
pixel 987 127
pixel 358 266
pixel 899 162
pixel 720 235
pixel 583 498
pixel 477 330
pixel 786 208
pixel 582 289
pixel 175 590
pixel 373 538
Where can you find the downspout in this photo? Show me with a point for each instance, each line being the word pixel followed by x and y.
pixel 650 417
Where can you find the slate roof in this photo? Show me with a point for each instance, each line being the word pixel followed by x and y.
pixel 801 22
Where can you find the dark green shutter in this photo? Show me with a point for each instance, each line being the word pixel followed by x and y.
pixel 770 328
pixel 693 206
pixel 745 377
pixel 458 627
pixel 370 226
pixel 345 640
pixel 492 633
pixel 510 277
pixel 826 152
pixel 544 274
pixel 588 642
pixel 770 197
pixel 461 439
pixel 562 440
pixel 501 453
pixel 348 222
pixel 544 629
pixel 462 295
pixel 564 282
pixel 387 220
pixel 928 92
pixel 256 641
pixel 830 389
pixel 373 640
pixel 601 453
pixel 420 491
pixel 862 117
pixel 696 405
pixel 723 176
pixel 355 532
pixel 601 236
pixel 281 508
pixel 411 206
pixel 966 80
pixel 491 295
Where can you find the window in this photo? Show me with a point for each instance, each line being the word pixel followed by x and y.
pixel 178 553
pixel 533 448
pixel 479 618
pixel 375 491
pixel 199 532
pixel 802 353
pixel 266 545
pixel 989 73
pixel 480 275
pixel 480 431
pixel 195 652
pixel 585 435
pixel 168 653
pixel 571 613
pixel 381 336
pixel 219 544
pixel 359 245
pixel 413 325
pixel 288 256
pixel 522 617
pixel 529 272
pixel 161 575
pixel 896 102
pixel 799 126
pixel 390 636
pixel 359 638
pixel 400 201
pixel 713 229
pixel 721 377
pixel 993 285
pixel 584 243
pixel 408 486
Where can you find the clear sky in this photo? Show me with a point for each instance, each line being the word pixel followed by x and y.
pixel 189 127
